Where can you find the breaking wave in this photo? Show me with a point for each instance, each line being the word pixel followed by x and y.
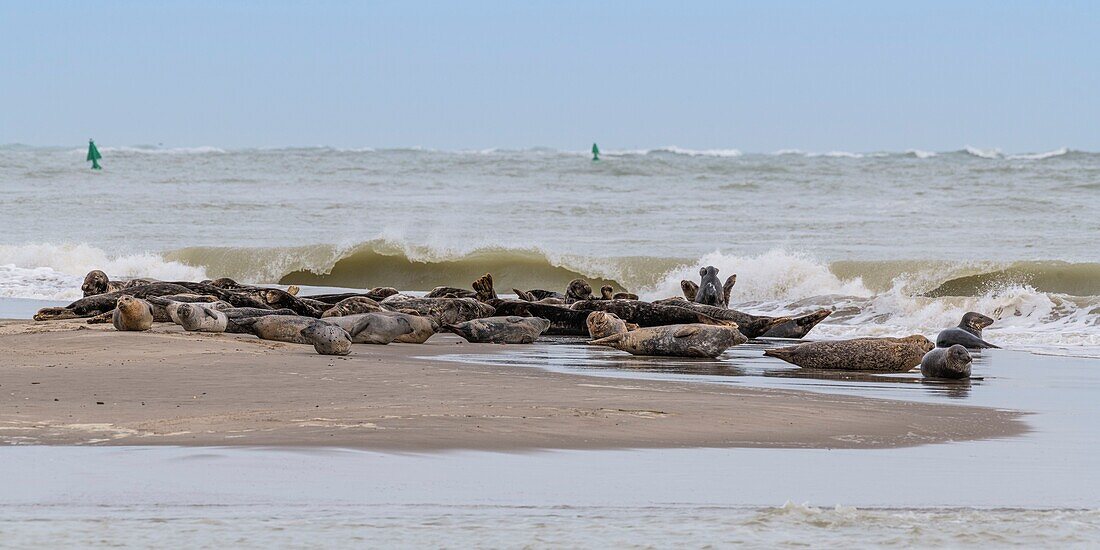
pixel 1047 307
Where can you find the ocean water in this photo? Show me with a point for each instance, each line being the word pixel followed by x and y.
pixel 896 242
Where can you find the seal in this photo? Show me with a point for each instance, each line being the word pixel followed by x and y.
pixel 442 311
pixel 377 294
pixel 374 328
pixel 288 328
pixel 578 290
pixel 563 320
pixel 690 289
pixel 501 330
pixel 752 326
pixel 132 314
pixel 692 340
pixel 799 326
pixel 968 333
pixel 607 292
pixel 645 314
pixel 952 363
pixel 602 324
pixel 451 292
pixel 352 306
pixel 860 354
pixel 96 282
pixel 327 339
pixel 196 317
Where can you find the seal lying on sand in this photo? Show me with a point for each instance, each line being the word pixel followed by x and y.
pixel 607 292
pixel 352 306
pixel 132 314
pixel 752 326
pixel 327 339
pixel 563 320
pixel 377 294
pixel 380 327
pixel 860 354
pixel 952 362
pixel 197 317
pixel 645 314
pixel 799 326
pixel 602 324
pixel 451 292
pixel 693 340
pixel 96 282
pixel 501 330
pixel 442 311
pixel 968 333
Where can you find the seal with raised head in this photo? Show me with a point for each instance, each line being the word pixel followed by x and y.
pixel 328 339
pixel 501 330
pixel 197 317
pixel 132 314
pixel 607 292
pixel 352 306
pixel 563 320
pixel 602 324
pixel 859 354
pixel 96 282
pixel 578 290
pixel 692 340
pixel 968 333
pixel 952 363
pixel 799 326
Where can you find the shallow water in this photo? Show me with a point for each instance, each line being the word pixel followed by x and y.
pixel 1033 489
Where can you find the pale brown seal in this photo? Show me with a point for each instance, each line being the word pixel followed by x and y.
pixel 859 354
pixel 694 340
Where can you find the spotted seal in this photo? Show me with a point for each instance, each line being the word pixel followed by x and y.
pixel 952 363
pixel 377 327
pixel 968 333
pixel 442 311
pixel 692 340
pixel 327 339
pixel 352 306
pixel 859 354
pixel 197 317
pixel 132 314
pixel 602 324
pixel 96 282
pixel 501 330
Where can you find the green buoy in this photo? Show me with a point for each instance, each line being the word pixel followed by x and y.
pixel 595 152
pixel 93 155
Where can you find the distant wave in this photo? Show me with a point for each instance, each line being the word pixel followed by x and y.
pixel 674 150
pixel 1040 156
pixel 983 153
pixel 205 150
pixel 920 154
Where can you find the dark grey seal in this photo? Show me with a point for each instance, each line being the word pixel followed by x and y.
pixel 952 363
pixel 968 334
pixel 501 330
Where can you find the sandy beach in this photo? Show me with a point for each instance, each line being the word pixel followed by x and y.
pixel 69 383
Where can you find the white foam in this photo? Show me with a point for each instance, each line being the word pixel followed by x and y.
pixel 1040 156
pixel 983 153
pixel 920 154
pixel 55 272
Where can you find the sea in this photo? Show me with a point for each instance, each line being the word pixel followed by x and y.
pixel 895 242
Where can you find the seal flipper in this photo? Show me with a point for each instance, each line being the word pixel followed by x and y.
pixel 608 341
pixel 686 331
pixel 786 354
pixel 524 295
pixel 727 289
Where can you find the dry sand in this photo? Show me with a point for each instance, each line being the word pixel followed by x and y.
pixel 70 383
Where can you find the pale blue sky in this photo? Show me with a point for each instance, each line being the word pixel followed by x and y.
pixel 856 76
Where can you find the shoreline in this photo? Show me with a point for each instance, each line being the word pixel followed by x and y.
pixel 69 383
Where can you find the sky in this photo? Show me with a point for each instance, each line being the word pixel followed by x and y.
pixel 753 76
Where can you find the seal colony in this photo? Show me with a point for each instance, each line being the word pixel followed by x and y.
pixel 698 324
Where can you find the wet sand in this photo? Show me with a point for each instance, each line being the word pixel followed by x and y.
pixel 70 383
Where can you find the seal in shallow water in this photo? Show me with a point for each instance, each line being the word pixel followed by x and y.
pixel 132 314
pixel 968 333
pixel 859 354
pixel 694 340
pixel 952 363
pixel 645 314
pixel 501 330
